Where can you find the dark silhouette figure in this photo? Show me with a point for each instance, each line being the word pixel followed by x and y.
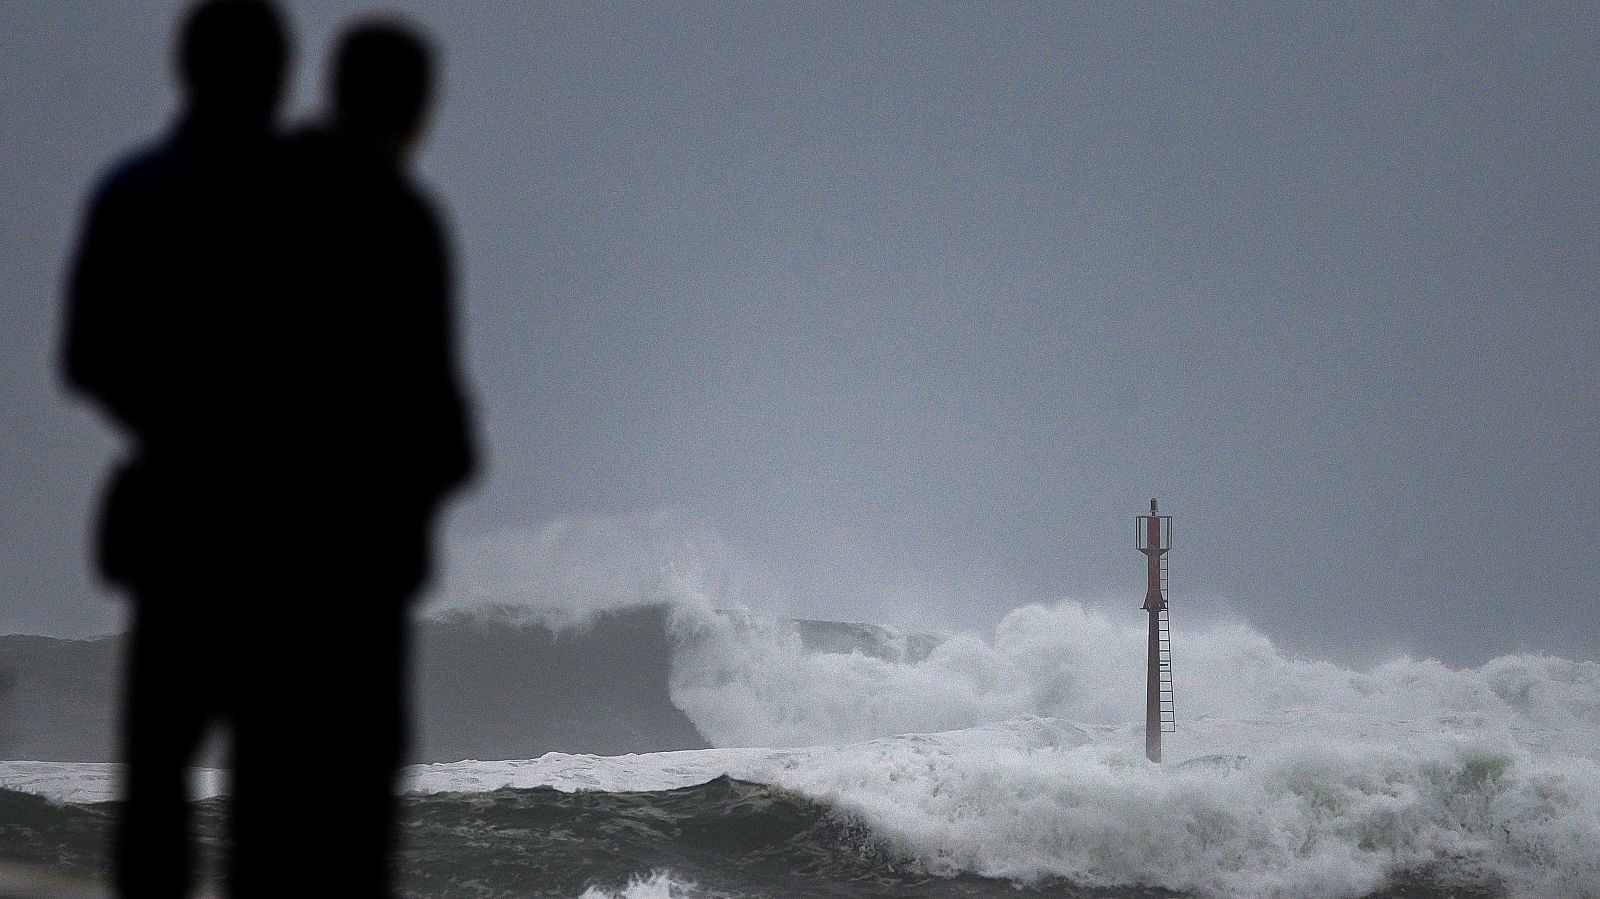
pixel 148 266
pixel 269 321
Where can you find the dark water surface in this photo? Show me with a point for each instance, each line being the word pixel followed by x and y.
pixel 727 838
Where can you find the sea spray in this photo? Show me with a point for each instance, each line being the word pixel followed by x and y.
pixel 1008 762
pixel 1030 802
pixel 1309 817
pixel 751 681
pixel 655 885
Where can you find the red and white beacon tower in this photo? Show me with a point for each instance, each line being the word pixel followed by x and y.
pixel 1153 537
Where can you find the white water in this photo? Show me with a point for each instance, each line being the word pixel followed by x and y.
pixel 656 885
pixel 1033 797
pixel 1351 775
pixel 748 682
pixel 1012 756
pixel 1307 814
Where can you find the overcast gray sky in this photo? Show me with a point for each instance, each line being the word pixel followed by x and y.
pixel 915 306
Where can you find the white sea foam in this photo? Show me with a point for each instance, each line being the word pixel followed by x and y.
pixel 1012 756
pixel 1307 814
pixel 748 681
pixel 573 567
pixel 1304 817
pixel 78 782
pixel 1349 775
pixel 656 885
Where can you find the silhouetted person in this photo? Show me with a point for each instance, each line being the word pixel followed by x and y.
pixel 377 436
pixel 269 322
pixel 149 259
pixel 145 260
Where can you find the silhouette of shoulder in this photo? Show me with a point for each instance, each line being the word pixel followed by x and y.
pixel 145 256
pixel 381 300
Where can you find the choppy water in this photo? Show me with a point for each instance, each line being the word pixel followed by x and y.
pixel 1000 766
pixel 724 838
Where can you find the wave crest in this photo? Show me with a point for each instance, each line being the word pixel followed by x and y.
pixel 749 681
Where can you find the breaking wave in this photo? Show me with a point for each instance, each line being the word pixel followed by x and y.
pixel 854 759
pixel 655 885
pixel 1340 780
pixel 1036 801
pixel 1034 805
pixel 749 681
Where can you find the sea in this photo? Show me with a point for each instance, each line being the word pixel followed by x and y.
pixel 853 760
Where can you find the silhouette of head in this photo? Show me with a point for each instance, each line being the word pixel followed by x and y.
pixel 232 56
pixel 382 85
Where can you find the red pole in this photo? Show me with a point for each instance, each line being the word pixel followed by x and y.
pixel 1152 694
pixel 1154 603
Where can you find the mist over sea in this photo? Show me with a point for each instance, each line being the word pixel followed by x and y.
pixel 851 760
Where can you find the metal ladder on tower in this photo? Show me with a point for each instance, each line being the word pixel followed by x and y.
pixel 1169 710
